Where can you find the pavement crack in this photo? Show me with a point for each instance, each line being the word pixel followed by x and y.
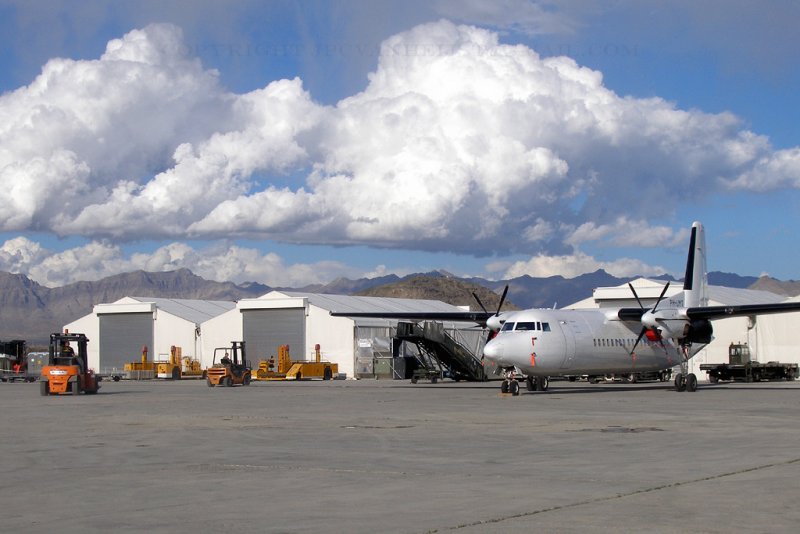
pixel 618 496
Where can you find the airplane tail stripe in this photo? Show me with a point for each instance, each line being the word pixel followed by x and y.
pixel 688 279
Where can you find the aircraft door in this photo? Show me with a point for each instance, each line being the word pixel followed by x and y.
pixel 568 330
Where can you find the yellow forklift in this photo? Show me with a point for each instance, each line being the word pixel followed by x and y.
pixel 229 367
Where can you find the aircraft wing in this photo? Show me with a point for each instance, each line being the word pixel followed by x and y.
pixel 467 316
pixel 718 312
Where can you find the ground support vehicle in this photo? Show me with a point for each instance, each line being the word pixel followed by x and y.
pixel 750 371
pixel 178 366
pixel 287 369
pixel 423 373
pixel 141 370
pixel 14 362
pixel 230 367
pixel 67 369
pixel 741 367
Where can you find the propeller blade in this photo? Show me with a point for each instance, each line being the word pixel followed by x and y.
pixel 638 339
pixel 479 302
pixel 661 296
pixel 502 300
pixel 635 295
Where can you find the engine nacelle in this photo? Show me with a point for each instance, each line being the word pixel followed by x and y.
pixel 699 331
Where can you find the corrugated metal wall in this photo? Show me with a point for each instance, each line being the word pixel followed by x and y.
pixel 122 336
pixel 267 329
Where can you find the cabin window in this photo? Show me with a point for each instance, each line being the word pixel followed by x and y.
pixel 525 326
pixel 507 327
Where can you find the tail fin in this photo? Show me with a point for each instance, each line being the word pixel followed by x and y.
pixel 695 283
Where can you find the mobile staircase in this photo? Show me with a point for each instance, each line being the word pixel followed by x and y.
pixel 438 346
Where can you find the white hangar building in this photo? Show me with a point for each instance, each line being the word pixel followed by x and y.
pixel 361 346
pixel 302 321
pixel 769 336
pixel 118 331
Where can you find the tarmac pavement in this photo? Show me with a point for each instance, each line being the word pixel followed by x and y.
pixel 388 456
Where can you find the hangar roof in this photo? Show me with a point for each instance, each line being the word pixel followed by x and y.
pixel 196 311
pixel 648 291
pixel 349 303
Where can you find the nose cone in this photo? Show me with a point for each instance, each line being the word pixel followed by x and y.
pixel 493 350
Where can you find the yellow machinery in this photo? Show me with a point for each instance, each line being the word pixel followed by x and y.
pixel 230 367
pixel 295 370
pixel 179 366
pixel 143 370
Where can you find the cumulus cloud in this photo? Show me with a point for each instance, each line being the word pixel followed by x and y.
pixel 220 261
pixel 570 266
pixel 458 143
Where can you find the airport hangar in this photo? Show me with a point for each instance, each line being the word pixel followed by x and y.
pixel 771 337
pixel 361 346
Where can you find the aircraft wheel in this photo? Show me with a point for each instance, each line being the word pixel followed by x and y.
pixel 691 382
pixel 434 379
pixel 513 388
pixel 542 383
pixel 713 379
pixel 529 384
pixel 680 382
pixel 504 386
pixel 414 379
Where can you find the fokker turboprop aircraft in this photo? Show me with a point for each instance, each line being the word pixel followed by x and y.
pixel 539 343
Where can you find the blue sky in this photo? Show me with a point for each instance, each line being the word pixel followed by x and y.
pixel 295 142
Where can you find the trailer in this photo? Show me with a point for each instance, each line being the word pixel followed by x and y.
pixel 741 367
pixel 14 363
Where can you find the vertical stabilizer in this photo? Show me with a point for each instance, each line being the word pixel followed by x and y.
pixel 695 283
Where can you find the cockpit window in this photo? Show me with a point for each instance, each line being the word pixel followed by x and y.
pixel 525 326
pixel 508 326
pixel 545 327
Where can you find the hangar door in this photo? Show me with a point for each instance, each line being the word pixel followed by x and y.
pixel 267 329
pixel 122 336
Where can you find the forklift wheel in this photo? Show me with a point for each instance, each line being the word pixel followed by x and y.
pixel 209 382
pixel 44 388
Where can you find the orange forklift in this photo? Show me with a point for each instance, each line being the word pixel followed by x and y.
pixel 67 370
pixel 229 367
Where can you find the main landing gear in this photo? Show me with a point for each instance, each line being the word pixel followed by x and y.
pixel 685 381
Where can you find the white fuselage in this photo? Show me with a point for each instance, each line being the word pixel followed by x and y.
pixel 576 342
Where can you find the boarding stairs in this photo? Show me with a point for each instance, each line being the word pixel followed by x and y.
pixel 437 344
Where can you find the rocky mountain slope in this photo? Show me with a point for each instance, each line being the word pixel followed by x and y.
pixel 31 311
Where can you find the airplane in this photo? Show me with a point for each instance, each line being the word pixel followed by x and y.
pixel 540 343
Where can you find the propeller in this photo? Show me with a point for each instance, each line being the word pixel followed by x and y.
pixel 495 326
pixel 479 302
pixel 644 328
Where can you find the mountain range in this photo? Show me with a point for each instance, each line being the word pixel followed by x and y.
pixel 31 311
